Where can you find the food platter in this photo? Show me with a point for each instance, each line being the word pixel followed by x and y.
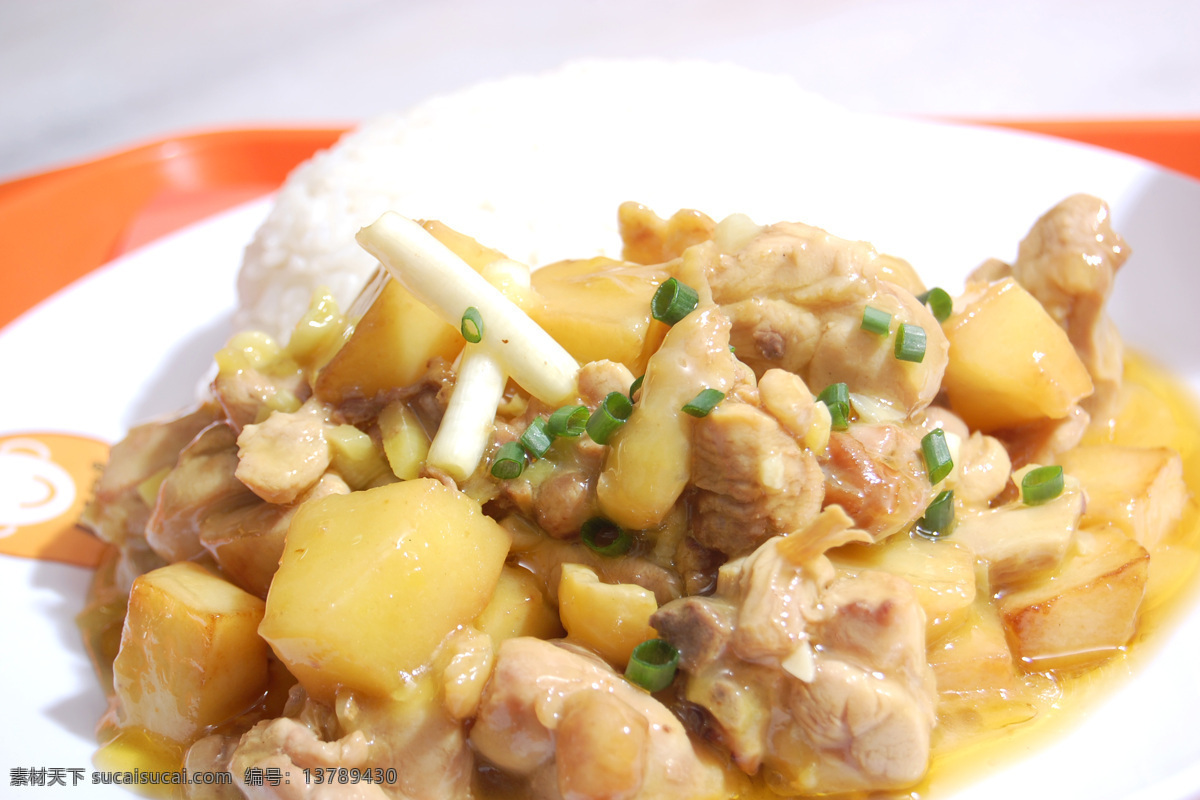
pixel 133 339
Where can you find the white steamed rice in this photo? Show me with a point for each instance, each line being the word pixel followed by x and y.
pixel 535 166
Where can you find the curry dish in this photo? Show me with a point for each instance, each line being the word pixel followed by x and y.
pixel 749 512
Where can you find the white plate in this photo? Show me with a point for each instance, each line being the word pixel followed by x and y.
pixel 131 340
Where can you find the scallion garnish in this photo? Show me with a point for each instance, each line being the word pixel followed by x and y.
pixel 633 387
pixel 837 398
pixel 605 537
pixel 472 325
pixel 701 404
pixel 875 320
pixel 910 342
pixel 568 421
pixel 536 439
pixel 939 302
pixel 652 664
pixel 509 461
pixel 1041 485
pixel 673 301
pixel 937 455
pixel 608 416
pixel 939 517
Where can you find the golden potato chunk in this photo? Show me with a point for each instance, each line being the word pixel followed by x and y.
pixel 609 618
pixel 518 608
pixel 1138 489
pixel 1010 363
pixel 974 658
pixel 190 652
pixel 370 583
pixel 1087 609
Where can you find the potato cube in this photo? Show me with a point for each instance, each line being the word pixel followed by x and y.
pixel 518 608
pixel 611 619
pixel 370 583
pixel 1010 363
pixel 943 574
pixel 1138 489
pixel 388 348
pixel 190 652
pixel 1021 542
pixel 599 308
pixel 1087 609
pixel 974 658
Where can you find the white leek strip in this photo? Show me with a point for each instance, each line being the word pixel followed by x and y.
pixel 467 424
pixel 446 284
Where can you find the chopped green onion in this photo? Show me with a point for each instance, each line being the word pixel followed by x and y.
pixel 568 421
pixel 1041 485
pixel 875 320
pixel 652 664
pixel 673 301
pixel 910 342
pixel 937 455
pixel 939 517
pixel 701 404
pixel 939 303
pixel 608 416
pixel 633 387
pixel 536 440
pixel 837 398
pixel 472 325
pixel 606 538
pixel 509 461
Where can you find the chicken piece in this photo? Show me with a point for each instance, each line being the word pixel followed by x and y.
pixel 1042 442
pixel 982 467
pixel 820 682
pixel 284 456
pixel 877 474
pixel 795 296
pixel 117 509
pixel 545 559
pixel 564 501
pixel 754 481
pixel 576 729
pixel 248 395
pixel 649 239
pixel 202 484
pixel 598 378
pixel 1069 261
pixel 291 747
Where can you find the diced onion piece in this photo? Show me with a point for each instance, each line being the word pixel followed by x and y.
pixel 876 320
pixel 446 284
pixel 605 537
pixel 936 451
pixel 910 343
pixel 463 434
pixel 509 461
pixel 652 665
pixel 836 397
pixel 673 301
pixel 1041 485
pixel 704 402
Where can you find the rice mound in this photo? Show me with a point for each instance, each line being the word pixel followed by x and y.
pixel 534 166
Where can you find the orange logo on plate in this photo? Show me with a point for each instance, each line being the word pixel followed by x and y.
pixel 47 479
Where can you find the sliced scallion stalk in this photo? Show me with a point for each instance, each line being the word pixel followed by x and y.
pixel 673 301
pixel 936 451
pixel 1041 485
pixel 568 421
pixel 939 517
pixel 836 397
pixel 536 439
pixel 509 461
pixel 875 320
pixel 939 302
pixel 605 537
pixel 472 325
pixel 910 343
pixel 633 387
pixel 701 404
pixel 652 664
pixel 608 416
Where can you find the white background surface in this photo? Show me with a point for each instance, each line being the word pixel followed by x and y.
pixel 78 77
